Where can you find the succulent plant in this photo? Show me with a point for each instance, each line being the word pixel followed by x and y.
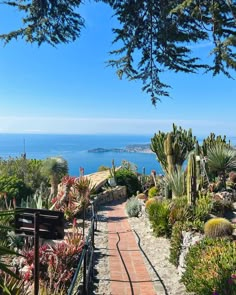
pixel 218 227
pixel 192 179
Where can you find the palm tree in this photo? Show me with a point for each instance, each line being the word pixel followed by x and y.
pixel 221 159
pixel 54 168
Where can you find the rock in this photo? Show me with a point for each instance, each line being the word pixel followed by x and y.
pixel 189 239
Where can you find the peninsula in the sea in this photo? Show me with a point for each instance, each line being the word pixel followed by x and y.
pixel 132 148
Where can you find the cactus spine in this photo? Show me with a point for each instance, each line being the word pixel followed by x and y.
pixel 192 179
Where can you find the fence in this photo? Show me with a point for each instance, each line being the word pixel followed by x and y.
pixel 84 270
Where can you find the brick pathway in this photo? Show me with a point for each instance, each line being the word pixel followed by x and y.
pixel 119 231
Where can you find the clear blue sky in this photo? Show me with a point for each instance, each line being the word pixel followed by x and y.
pixel 69 89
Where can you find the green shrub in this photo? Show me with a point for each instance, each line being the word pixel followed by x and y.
pixel 129 179
pixel 210 267
pixel 194 225
pixel 14 187
pixel 159 217
pixel 218 227
pixel 203 208
pixel 103 168
pixel 179 210
pixel 175 243
pixel 133 207
pixel 153 191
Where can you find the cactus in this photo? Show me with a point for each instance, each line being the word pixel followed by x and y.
pixel 218 227
pixel 172 148
pixel 168 148
pixel 211 141
pixel 157 146
pixel 192 179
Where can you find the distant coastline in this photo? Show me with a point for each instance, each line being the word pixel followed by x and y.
pixel 132 148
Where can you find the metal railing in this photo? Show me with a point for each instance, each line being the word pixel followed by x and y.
pixel 84 271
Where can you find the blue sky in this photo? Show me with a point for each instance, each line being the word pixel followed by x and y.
pixel 69 89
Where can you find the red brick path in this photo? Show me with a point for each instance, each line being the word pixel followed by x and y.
pixel 118 226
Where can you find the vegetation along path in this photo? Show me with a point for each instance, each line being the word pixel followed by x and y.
pixel 121 262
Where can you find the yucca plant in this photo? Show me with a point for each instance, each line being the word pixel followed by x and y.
pixel 221 159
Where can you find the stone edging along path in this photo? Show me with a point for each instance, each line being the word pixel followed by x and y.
pixel 159 277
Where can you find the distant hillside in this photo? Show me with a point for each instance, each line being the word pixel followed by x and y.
pixel 132 148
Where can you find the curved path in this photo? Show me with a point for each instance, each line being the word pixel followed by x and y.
pixel 128 273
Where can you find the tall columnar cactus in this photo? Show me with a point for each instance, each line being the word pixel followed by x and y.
pixel 169 152
pixel 157 146
pixel 192 179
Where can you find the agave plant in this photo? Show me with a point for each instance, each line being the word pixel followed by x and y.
pixel 221 159
pixel 176 182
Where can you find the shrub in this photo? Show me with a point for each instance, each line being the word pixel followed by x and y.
pixel 175 243
pixel 210 267
pixel 153 191
pixel 218 227
pixel 179 210
pixel 159 217
pixel 103 168
pixel 129 179
pixel 14 187
pixel 203 208
pixel 133 207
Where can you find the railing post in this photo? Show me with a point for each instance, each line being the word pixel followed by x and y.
pixel 85 271
pixel 36 253
pixel 92 237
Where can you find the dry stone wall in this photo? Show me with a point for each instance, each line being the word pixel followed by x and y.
pixel 116 193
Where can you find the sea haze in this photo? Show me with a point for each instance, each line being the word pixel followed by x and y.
pixel 74 149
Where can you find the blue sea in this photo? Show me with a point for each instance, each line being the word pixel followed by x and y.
pixel 74 149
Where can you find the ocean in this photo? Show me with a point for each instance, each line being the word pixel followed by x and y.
pixel 74 149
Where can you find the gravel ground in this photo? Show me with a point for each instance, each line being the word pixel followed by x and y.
pixel 162 272
pixel 101 285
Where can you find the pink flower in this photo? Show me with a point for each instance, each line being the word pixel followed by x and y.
pixel 74 222
pixel 233 276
